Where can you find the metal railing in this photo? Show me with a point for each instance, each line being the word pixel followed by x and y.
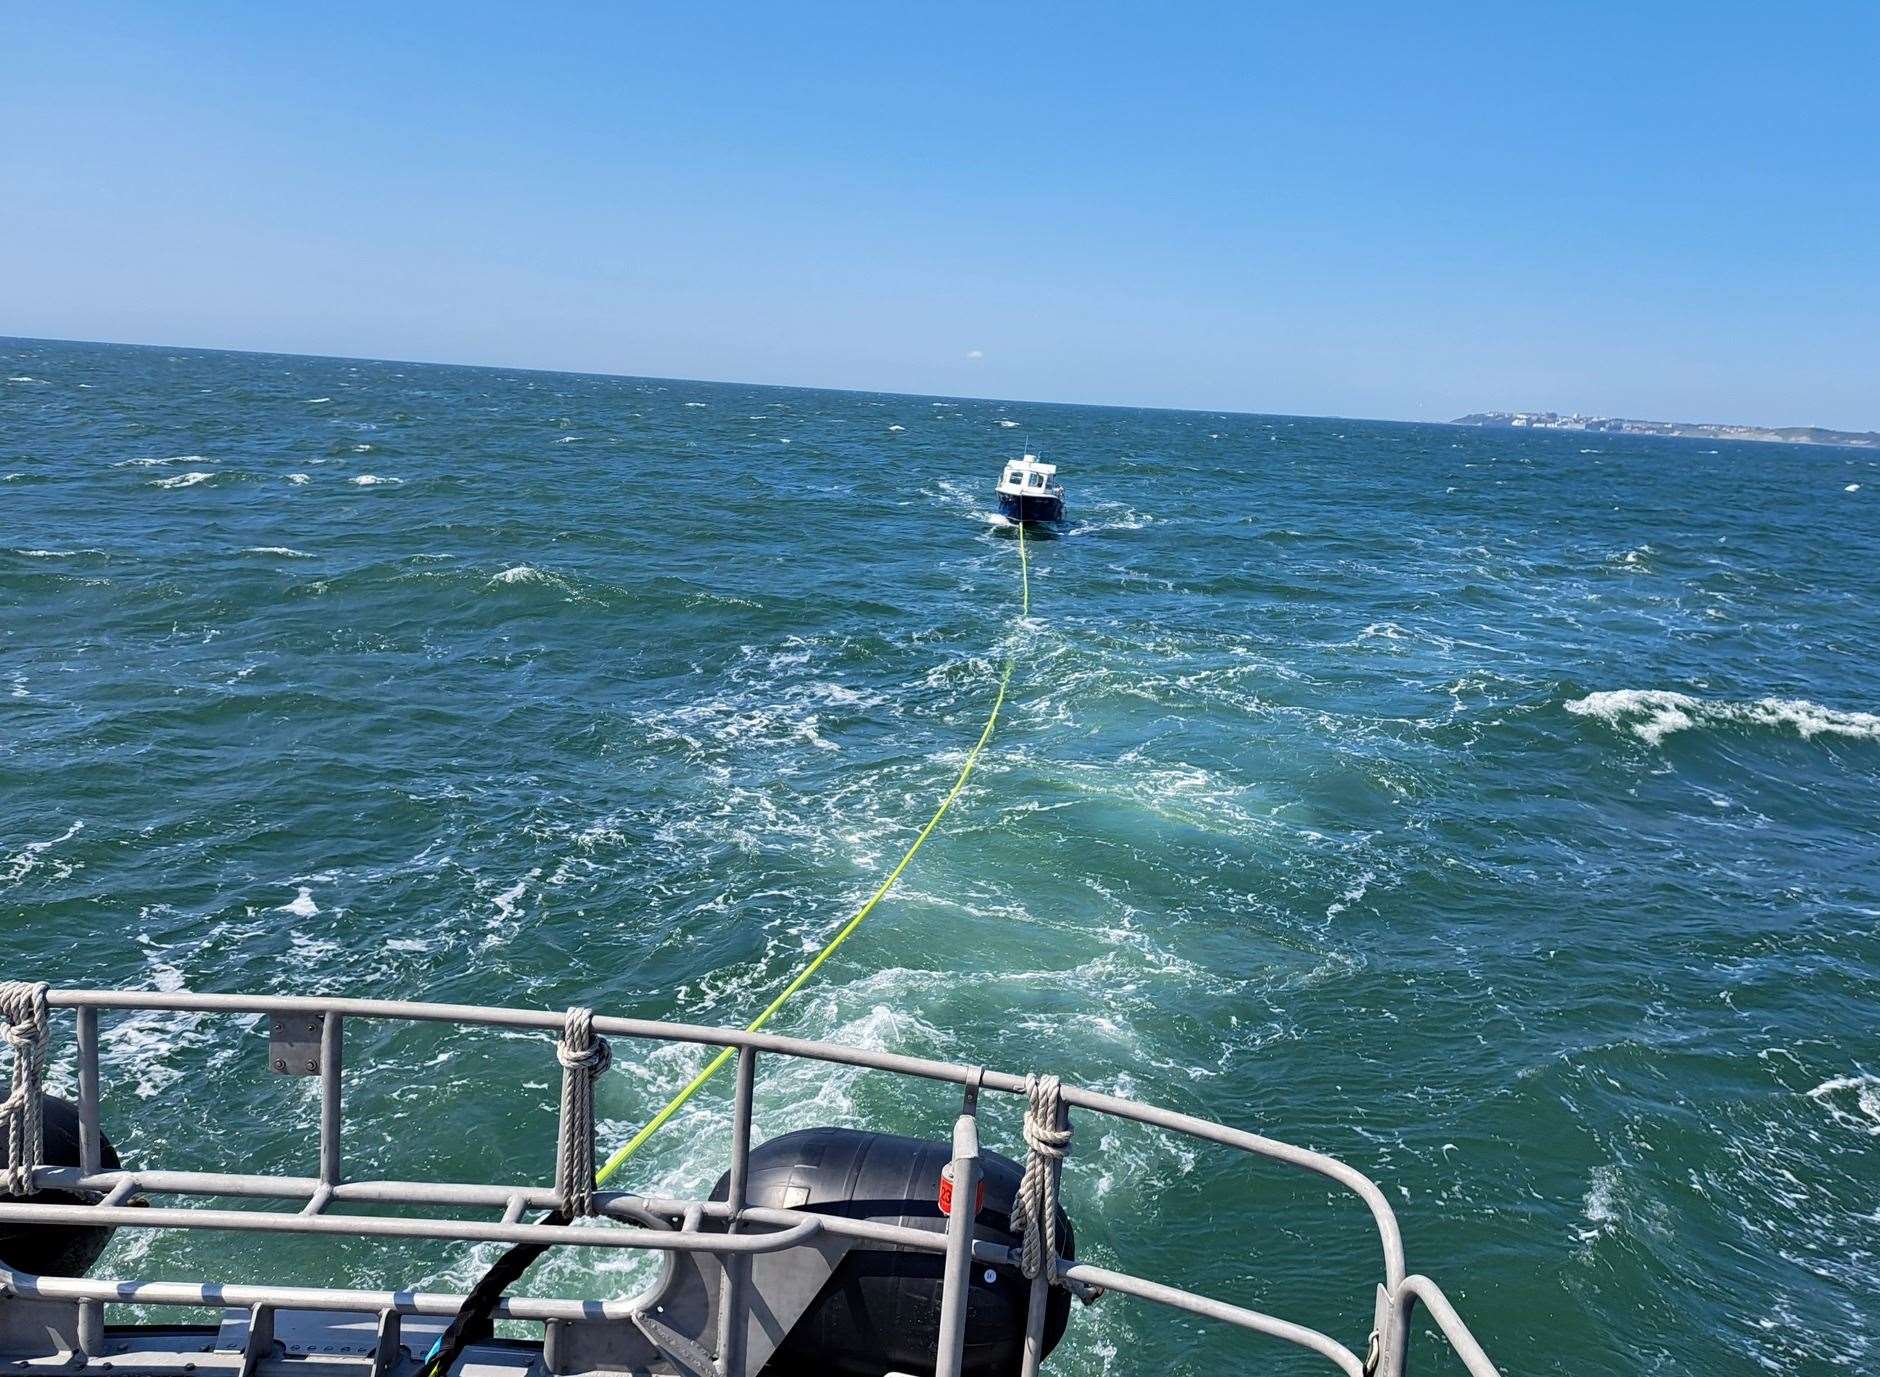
pixel 675 1227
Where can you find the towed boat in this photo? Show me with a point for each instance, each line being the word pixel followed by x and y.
pixel 1029 491
pixel 835 1250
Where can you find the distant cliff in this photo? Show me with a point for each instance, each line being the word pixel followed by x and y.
pixel 1609 425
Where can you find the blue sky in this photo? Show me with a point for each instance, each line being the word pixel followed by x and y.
pixel 1667 210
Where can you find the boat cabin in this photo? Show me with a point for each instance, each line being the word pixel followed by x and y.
pixel 1025 476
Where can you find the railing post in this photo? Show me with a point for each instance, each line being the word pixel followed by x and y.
pixel 260 1345
pixel 958 1277
pixel 1388 1332
pixel 90 1154
pixel 332 1051
pixel 90 1160
pixel 732 1321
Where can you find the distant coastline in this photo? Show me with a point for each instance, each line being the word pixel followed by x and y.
pixel 1688 430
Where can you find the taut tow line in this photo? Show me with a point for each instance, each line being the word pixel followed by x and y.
pixel 472 1321
pixel 718 1063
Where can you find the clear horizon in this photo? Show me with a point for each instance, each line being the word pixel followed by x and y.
pixel 1358 212
pixel 893 392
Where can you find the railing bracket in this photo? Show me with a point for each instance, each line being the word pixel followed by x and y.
pixel 294 1043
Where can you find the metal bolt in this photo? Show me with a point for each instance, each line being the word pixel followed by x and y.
pixel 280 1063
pixel 312 1065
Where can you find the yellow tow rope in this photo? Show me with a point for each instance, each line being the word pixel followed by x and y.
pixel 718 1063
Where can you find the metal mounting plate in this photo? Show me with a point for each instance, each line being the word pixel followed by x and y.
pixel 294 1043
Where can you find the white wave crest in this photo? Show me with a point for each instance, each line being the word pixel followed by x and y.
pixel 23 862
pixel 159 463
pixel 372 480
pixel 297 478
pixel 301 905
pixel 1600 1207
pixel 1653 714
pixel 184 480
pixel 1863 1091
pixel 510 899
pixel 284 551
pixel 523 573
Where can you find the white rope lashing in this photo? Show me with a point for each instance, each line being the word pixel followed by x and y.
pixel 1035 1210
pixel 583 1057
pixel 23 1009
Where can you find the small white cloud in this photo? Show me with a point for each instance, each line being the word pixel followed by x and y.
pixel 975 353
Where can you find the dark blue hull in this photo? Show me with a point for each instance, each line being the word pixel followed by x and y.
pixel 1030 507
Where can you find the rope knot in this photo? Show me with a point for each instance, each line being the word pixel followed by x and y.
pixel 578 1049
pixel 28 1021
pixel 1047 1142
pixel 583 1057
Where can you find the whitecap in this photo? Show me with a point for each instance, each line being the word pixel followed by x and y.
pixel 1008 425
pixel 1600 1206
pixel 897 427
pixel 297 478
pixel 158 463
pixel 694 404
pixel 315 401
pixel 184 480
pixel 1653 714
pixel 372 480
pixel 1354 894
pixel 508 901
pixel 284 551
pixel 1851 487
pixel 1863 1114
pixel 26 860
pixel 522 573
pixel 302 904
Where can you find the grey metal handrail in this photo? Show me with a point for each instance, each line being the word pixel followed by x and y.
pixel 747 1231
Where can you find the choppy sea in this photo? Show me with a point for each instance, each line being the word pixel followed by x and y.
pixel 1496 811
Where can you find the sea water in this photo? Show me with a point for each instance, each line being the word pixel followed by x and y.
pixel 1496 811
